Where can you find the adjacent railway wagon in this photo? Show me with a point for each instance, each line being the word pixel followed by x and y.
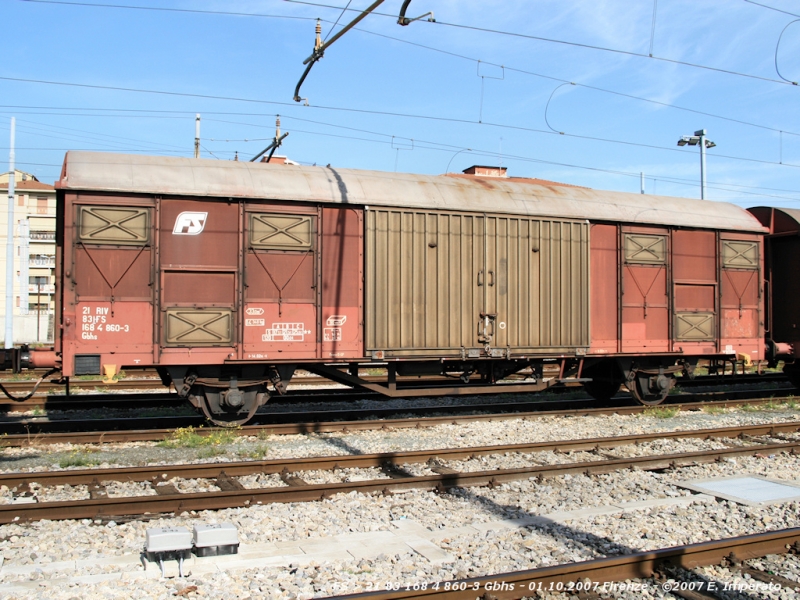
pixel 782 251
pixel 229 276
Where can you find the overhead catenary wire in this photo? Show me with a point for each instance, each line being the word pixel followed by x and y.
pixel 786 12
pixel 341 14
pixel 319 48
pixel 437 22
pixel 385 113
pixel 567 43
pixel 423 116
pixel 777 47
pixel 430 48
pixel 73 134
pixel 653 27
pixel 170 9
pixel 439 146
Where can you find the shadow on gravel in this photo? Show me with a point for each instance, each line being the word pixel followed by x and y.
pixel 10 459
pixel 601 547
pixel 341 444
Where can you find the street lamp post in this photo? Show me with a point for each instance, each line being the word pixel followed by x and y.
pixel 699 139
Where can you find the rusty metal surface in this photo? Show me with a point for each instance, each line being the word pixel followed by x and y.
pixel 778 220
pixel 604 276
pixel 200 177
pixel 783 253
pixel 444 282
pixel 610 569
pixel 104 506
pixel 342 282
pixel 353 461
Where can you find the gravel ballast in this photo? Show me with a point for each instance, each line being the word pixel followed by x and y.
pixel 479 531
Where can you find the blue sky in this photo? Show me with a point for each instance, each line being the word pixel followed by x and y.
pixel 425 97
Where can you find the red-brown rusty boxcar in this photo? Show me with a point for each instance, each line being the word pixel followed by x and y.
pixel 782 250
pixel 229 276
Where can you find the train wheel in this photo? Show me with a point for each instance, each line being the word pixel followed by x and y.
pixel 602 390
pixel 650 390
pixel 229 408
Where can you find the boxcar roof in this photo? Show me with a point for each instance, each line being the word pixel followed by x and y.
pixel 128 173
pixel 778 220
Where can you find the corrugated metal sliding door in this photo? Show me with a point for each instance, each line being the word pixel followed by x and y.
pixel 449 281
pixel 423 276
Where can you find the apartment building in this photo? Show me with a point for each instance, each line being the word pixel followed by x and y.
pixel 34 257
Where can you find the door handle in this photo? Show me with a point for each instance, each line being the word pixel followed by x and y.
pixel 480 278
pixel 491 283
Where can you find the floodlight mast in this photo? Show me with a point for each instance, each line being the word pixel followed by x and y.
pixel 699 139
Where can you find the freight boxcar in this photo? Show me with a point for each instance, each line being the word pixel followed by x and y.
pixel 782 250
pixel 229 276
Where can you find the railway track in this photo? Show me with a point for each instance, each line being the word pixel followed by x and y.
pixel 231 493
pixel 25 432
pixel 572 578
pixel 95 393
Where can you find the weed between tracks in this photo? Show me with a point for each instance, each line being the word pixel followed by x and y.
pixel 189 437
pixel 214 442
pixel 77 458
pixel 258 452
pixel 661 412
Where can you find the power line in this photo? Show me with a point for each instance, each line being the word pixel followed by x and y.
pixel 429 145
pixel 382 113
pixel 88 135
pixel 337 21
pixel 174 10
pixel 577 84
pixel 567 43
pixel 772 8
pixel 437 146
pixel 433 49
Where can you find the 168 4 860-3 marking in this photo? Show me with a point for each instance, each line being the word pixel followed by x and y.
pixel 98 322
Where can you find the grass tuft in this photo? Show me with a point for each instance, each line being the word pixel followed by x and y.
pixel 188 437
pixel 258 452
pixel 211 452
pixel 661 412
pixel 77 458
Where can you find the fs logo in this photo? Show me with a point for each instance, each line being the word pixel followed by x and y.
pixel 190 223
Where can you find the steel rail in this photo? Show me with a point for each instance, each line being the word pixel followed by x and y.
pixel 351 461
pixel 34 432
pixel 151 382
pixel 603 570
pixel 236 498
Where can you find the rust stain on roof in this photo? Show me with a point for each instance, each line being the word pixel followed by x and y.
pixel 530 180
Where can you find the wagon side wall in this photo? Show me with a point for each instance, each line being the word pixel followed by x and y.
pixel 663 290
pixel 443 283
